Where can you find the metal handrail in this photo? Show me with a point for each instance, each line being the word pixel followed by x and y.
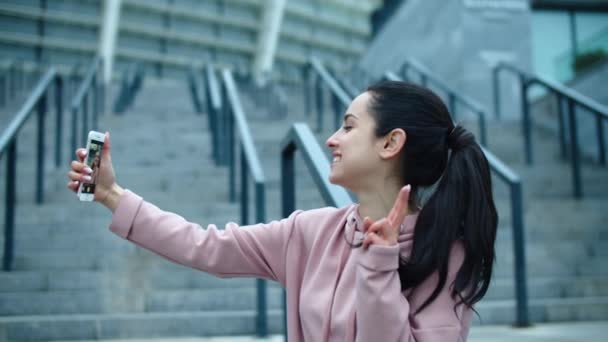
pixel 514 183
pixel 454 97
pixel 38 100
pixel 89 88
pixel 340 99
pixel 217 119
pixel 565 96
pixel 250 166
pixel 193 86
pixel 300 137
pixel 131 83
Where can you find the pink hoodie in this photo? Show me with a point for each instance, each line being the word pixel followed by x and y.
pixel 334 292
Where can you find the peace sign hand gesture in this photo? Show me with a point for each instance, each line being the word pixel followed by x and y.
pixel 386 230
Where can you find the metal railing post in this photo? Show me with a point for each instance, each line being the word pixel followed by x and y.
pixel 496 91
pixel 288 200
pixel 403 71
pixel 85 118
pixel 519 251
pixel 483 135
pixel 41 109
pixel 599 124
pixel 526 125
pixel 337 110
pixel 95 102
pixel 59 118
pixel 561 125
pixel 9 205
pixel 574 153
pixel 74 139
pixel 306 90
pixel 262 318
pixel 244 189
pixel 319 102
pixel 452 104
pixel 231 155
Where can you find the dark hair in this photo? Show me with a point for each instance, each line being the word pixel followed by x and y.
pixel 461 206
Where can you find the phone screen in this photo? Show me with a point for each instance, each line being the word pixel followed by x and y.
pixel 93 161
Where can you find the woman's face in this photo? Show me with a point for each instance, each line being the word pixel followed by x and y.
pixel 355 147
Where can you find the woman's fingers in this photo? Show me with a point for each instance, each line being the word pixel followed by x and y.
pixel 399 210
pixel 367 222
pixel 75 176
pixel 371 239
pixel 375 232
pixel 73 185
pixel 80 167
pixel 81 153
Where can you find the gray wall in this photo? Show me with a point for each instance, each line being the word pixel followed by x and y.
pixel 459 40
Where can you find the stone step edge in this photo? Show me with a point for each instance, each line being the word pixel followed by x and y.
pixel 118 316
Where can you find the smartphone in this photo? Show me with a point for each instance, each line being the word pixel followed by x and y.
pixel 86 191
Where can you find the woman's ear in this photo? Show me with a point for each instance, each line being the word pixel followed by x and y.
pixel 392 143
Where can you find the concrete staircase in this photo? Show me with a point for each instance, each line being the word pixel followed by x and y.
pixel 74 279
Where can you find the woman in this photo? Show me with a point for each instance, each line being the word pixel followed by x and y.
pixel 410 273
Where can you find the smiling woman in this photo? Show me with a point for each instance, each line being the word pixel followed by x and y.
pixel 407 263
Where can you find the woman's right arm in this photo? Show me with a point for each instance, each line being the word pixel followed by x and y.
pixel 257 250
pixel 248 251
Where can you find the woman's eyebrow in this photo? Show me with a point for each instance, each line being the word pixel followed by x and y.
pixel 351 115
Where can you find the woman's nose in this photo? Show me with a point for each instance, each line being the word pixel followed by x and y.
pixel 331 141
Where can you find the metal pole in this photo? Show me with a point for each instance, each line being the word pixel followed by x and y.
pixel 9 205
pixel 496 91
pixel 74 141
pixel 575 162
pixel 262 319
pixel 307 92
pixel 40 150
pixel 85 117
pixel 423 79
pixel 519 251
pixel 288 202
pixel 482 129
pixel 404 69
pixel 573 35
pixel 601 149
pixel 319 98
pixel 337 110
pixel 452 104
pixel 231 156
pixel 561 125
pixel 59 118
pixel 244 189
pixel 92 89
pixel 527 131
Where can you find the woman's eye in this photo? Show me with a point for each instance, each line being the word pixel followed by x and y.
pixel 347 128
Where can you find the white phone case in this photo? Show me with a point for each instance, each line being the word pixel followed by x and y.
pixel 95 140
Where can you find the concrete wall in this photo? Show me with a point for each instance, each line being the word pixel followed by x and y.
pixel 459 40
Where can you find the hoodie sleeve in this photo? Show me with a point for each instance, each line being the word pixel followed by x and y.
pixel 248 251
pixel 384 313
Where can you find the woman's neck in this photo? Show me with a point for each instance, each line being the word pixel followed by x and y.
pixel 377 202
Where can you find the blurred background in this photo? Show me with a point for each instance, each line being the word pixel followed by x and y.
pixel 219 110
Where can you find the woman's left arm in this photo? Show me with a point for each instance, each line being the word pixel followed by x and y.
pixel 385 314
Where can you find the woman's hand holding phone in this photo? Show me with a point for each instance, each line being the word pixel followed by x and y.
pixel 107 191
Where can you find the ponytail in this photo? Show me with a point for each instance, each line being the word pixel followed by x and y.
pixel 460 209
